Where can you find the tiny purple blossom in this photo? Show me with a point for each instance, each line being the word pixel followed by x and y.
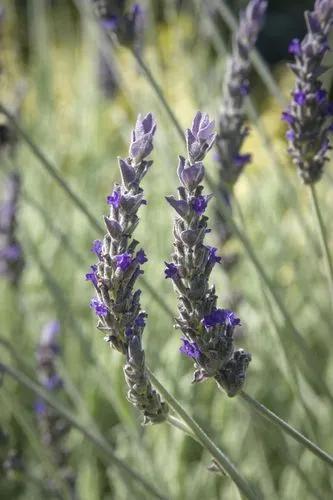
pixel 110 23
pixel 288 117
pixel 321 95
pixel 295 47
pixel 221 317
pixel 190 349
pixel 140 319
pixel 171 270
pixel 99 307
pixel 244 89
pixel 299 97
pixel 97 247
pixel 290 135
pixel 141 257
pixel 199 204
pixel 123 261
pixel 242 160
pixel 92 276
pixel 114 199
pixel 212 255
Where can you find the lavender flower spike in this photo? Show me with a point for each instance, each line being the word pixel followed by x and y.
pixel 11 255
pixel 309 115
pixel 53 427
pixel 117 305
pixel 208 330
pixel 232 129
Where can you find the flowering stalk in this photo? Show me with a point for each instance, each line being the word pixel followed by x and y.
pixel 208 331
pixel 309 115
pixel 53 427
pixel 126 26
pixel 119 265
pixel 232 128
pixel 11 256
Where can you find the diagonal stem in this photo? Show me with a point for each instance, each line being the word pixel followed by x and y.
pixel 205 440
pixel 98 440
pixel 283 425
pixel 323 239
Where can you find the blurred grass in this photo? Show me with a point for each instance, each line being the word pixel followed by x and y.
pixel 83 133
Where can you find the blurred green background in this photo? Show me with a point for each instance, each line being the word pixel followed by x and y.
pixel 55 54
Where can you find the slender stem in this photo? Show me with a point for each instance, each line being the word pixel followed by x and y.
pixel 323 239
pixel 279 422
pixel 180 425
pixel 308 355
pixel 205 440
pixel 97 439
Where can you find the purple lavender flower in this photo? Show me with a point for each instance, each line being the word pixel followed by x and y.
pixel 171 271
pixel 141 257
pixel 11 254
pixel 242 160
pixel 117 305
pixel 307 116
pixel 53 428
pixel 295 47
pixel 190 349
pixel 199 204
pixel 114 199
pixel 97 247
pixel 99 308
pixel 208 330
pixel 213 258
pixel 123 261
pixel 232 128
pixel 92 276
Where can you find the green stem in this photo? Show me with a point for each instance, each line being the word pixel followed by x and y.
pixel 205 440
pixel 308 355
pixel 159 92
pixel 323 239
pixel 279 422
pixel 98 440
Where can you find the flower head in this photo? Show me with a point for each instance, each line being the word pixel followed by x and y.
pixel 200 137
pixel 114 199
pixel 171 270
pixel 141 257
pixel 199 204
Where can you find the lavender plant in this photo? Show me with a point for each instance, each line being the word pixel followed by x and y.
pixel 119 265
pixel 127 26
pixel 232 127
pixel 53 427
pixel 11 255
pixel 208 330
pixel 309 114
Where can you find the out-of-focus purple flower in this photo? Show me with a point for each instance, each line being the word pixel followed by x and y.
pixel 190 349
pixel 242 160
pixel 288 117
pixel 321 95
pixel 98 306
pixel 295 47
pixel 97 247
pixel 300 97
pixel 123 261
pixel 92 276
